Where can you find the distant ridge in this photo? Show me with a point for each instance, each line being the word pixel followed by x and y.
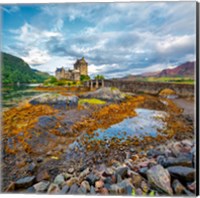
pixel 183 70
pixel 16 70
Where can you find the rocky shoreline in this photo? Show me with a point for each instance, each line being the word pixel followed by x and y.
pixel 164 170
pixel 51 154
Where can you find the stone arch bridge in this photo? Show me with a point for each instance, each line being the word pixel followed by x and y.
pixel 142 87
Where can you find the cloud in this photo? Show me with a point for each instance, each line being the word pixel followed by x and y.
pixel 116 39
pixel 11 9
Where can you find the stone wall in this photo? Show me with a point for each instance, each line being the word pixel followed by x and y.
pixel 150 87
pixel 146 87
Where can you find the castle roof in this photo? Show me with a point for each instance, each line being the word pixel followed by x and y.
pixel 82 60
pixel 59 69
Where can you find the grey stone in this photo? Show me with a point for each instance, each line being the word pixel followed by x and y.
pixel 92 178
pixel 41 186
pixel 182 173
pixel 86 185
pixel 159 178
pixel 74 189
pixel 64 190
pixel 122 171
pixel 25 182
pixel 59 179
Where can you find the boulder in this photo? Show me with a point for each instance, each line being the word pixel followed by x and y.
pixel 106 93
pixel 55 100
pixel 182 173
pixel 25 182
pixel 159 178
pixel 179 161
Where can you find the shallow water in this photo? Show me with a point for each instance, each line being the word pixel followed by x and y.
pixel 147 122
pixel 13 94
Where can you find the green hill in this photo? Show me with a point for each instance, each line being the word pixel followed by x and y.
pixel 15 70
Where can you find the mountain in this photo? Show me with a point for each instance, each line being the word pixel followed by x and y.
pixel 183 70
pixel 186 70
pixel 15 70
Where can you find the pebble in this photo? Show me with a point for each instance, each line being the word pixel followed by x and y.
pixel 41 186
pixel 59 179
pixel 91 178
pixel 99 184
pixel 43 175
pixel 25 182
pixel 122 171
pixel 70 170
pixel 86 185
pixel 53 189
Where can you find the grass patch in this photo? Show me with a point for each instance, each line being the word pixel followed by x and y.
pixel 91 101
pixel 178 80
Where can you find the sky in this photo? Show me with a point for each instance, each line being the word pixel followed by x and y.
pixel 116 39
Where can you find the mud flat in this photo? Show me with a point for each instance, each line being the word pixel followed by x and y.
pixel 112 143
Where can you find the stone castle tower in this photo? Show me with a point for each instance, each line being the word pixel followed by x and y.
pixel 80 68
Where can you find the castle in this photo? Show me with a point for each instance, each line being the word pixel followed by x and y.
pixel 80 68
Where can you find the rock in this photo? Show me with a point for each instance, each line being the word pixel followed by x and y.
pixel 108 172
pixel 84 173
pixel 41 186
pixel 182 173
pixel 64 190
pixel 59 179
pixel 70 170
pixel 25 182
pixel 122 187
pixel 55 100
pixel 32 167
pixel 82 190
pixel 119 178
pixel 178 188
pixel 104 191
pixel 139 191
pixel 99 184
pixel 187 143
pixel 85 184
pixel 176 149
pixel 129 163
pixel 46 122
pixel 73 189
pixel 30 190
pixel 143 172
pixel 106 93
pixel 159 178
pixel 154 153
pixel 66 176
pixel 92 190
pixel 192 186
pixel 39 160
pixel 144 186
pixel 122 171
pixel 136 178
pixel 91 178
pixel 53 189
pixel 179 161
pixel 43 175
pixel 72 181
pixel 11 187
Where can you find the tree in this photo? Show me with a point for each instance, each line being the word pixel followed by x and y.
pixel 84 78
pixel 99 77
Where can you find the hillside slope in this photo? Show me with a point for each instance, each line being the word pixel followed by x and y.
pixel 15 70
